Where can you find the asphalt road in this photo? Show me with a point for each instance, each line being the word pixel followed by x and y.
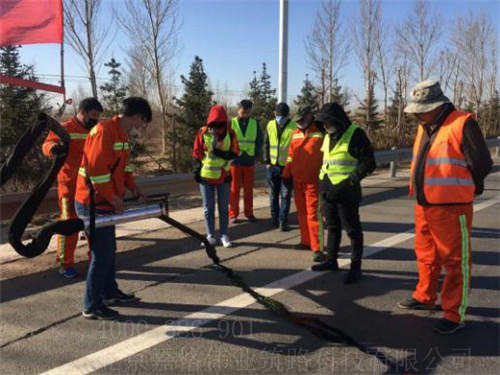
pixel 191 319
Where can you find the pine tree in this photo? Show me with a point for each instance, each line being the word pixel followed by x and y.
pixel 192 110
pixel 114 91
pixel 308 96
pixel 19 108
pixel 263 96
pixel 367 114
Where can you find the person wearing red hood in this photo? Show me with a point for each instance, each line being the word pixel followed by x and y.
pixel 214 147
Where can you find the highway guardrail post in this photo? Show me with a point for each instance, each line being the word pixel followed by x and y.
pixel 393 165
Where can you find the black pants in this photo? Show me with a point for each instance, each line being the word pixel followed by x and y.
pixel 342 211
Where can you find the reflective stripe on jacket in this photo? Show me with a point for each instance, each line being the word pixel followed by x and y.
pixel 337 162
pixel 278 148
pixel 447 178
pixel 246 141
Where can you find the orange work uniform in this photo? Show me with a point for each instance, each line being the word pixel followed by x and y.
pixel 303 165
pixel 66 185
pixel 442 181
pixel 106 161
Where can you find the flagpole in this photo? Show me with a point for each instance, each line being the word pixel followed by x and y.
pixel 62 54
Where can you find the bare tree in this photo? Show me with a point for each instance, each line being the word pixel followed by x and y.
pixel 85 34
pixel 418 37
pixel 366 52
pixel 139 73
pixel 474 36
pixel 153 25
pixel 327 47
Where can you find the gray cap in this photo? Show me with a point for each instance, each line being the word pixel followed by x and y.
pixel 425 97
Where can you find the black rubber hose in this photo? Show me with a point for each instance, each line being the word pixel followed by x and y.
pixel 29 207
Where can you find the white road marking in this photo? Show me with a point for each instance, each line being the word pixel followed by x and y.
pixel 134 345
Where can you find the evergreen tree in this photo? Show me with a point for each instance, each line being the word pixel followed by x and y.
pixel 338 95
pixel 19 108
pixel 192 110
pixel 367 115
pixel 308 95
pixel 114 91
pixel 263 96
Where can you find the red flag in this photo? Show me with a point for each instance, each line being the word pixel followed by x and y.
pixel 30 22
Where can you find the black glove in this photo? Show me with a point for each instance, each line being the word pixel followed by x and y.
pixel 58 150
pixel 197 177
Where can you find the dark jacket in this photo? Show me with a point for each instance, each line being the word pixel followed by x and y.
pixel 474 148
pixel 361 149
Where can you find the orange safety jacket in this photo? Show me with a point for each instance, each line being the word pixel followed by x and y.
pixel 106 162
pixel 69 172
pixel 447 178
pixel 304 155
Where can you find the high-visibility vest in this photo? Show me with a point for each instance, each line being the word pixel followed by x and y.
pixel 278 149
pixel 338 163
pixel 212 164
pixel 447 178
pixel 246 141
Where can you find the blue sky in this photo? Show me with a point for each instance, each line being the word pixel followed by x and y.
pixel 234 37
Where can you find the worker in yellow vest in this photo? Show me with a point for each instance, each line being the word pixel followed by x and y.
pixel 277 142
pixel 450 162
pixel 347 159
pixel 249 137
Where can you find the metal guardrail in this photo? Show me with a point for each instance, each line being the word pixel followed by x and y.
pixel 184 184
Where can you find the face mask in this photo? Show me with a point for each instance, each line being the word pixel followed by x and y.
pixel 134 132
pixel 302 126
pixel 90 123
pixel 281 119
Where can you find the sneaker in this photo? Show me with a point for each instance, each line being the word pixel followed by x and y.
pixel 252 219
pixel 103 313
pixel 233 220
pixel 225 241
pixel 119 297
pixel 319 256
pixel 327 265
pixel 447 327
pixel 300 246
pixel 69 272
pixel 413 304
pixel 211 240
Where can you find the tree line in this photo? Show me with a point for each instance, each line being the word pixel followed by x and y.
pixel 392 58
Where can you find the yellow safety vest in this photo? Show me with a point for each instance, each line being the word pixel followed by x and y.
pixel 338 163
pixel 246 142
pixel 278 149
pixel 212 164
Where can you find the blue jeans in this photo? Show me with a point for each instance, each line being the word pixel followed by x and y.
pixel 100 281
pixel 277 187
pixel 208 195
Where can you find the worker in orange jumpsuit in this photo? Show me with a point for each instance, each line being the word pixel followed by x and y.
pixel 450 162
pixel 303 165
pixel 77 127
pixel 105 172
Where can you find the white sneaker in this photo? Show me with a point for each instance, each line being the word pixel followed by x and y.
pixel 211 240
pixel 225 241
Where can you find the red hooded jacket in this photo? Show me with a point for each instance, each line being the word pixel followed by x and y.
pixel 217 114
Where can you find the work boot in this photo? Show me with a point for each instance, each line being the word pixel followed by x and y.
pixel 354 273
pixel 284 226
pixel 327 265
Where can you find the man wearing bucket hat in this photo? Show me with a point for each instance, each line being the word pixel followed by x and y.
pixel 302 166
pixel 450 163
pixel 347 159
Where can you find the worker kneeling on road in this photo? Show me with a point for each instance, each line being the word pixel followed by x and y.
pixel 214 147
pixel 106 171
pixel 347 159
pixel 450 162
pixel 77 127
pixel 303 165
